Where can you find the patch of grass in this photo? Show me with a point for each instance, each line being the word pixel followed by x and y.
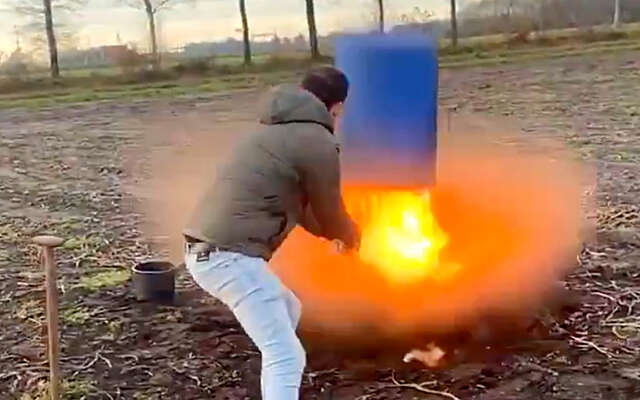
pixel 75 316
pixel 142 396
pixel 104 279
pixel 70 226
pixel 76 389
pixel 83 242
pixel 194 67
pixel 30 310
pixel 114 327
pixel 238 60
pixel 8 234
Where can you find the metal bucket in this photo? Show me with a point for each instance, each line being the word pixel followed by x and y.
pixel 154 281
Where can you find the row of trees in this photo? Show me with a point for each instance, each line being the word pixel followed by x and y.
pixel 45 16
pixel 496 16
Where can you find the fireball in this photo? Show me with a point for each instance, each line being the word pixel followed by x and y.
pixel 400 235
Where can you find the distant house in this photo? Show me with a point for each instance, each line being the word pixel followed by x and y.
pixel 114 53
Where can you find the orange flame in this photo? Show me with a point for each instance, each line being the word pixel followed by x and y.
pixel 400 235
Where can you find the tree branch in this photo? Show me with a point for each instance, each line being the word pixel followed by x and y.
pixel 162 4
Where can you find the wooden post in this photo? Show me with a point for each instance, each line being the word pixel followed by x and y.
pixel 47 243
pixel 616 14
pixel 450 111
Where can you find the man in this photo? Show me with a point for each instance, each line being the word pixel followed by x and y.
pixel 285 174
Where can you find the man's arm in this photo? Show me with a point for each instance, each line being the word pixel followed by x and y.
pixel 319 170
pixel 309 222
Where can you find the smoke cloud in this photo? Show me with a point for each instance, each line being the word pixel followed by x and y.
pixel 512 207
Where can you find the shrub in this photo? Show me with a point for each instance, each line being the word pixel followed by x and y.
pixel 199 66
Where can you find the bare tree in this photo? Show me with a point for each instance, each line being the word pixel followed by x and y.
pixel 313 32
pixel 616 14
pixel 490 16
pixel 245 33
pixel 381 15
pixel 454 24
pixel 418 18
pixel 39 15
pixel 51 39
pixel 151 9
pixel 541 15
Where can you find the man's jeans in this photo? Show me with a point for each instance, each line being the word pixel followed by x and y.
pixel 268 312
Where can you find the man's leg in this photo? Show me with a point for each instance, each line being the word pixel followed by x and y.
pixel 259 302
pixel 294 307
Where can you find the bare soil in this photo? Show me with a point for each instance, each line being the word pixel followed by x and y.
pixel 73 170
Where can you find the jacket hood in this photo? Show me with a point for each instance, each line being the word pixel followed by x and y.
pixel 288 103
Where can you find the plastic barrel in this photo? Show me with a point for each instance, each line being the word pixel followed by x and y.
pixel 389 126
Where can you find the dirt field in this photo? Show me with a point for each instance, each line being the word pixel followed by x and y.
pixel 69 171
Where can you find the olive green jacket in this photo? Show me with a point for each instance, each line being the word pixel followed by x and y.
pixel 286 173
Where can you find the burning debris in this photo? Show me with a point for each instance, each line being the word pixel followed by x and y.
pixel 430 357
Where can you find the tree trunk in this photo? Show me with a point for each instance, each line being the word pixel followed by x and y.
pixel 245 33
pixel 51 39
pixel 313 32
pixel 454 24
pixel 148 7
pixel 616 15
pixel 381 15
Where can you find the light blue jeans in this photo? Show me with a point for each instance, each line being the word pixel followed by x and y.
pixel 267 310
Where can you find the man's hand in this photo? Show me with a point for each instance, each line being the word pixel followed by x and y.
pixel 353 242
pixel 338 246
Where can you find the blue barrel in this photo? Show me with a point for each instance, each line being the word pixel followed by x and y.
pixel 389 126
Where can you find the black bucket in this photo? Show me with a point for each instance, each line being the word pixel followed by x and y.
pixel 154 281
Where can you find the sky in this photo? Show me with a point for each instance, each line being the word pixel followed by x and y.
pixel 103 21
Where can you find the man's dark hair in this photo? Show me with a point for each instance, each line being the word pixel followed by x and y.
pixel 329 84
